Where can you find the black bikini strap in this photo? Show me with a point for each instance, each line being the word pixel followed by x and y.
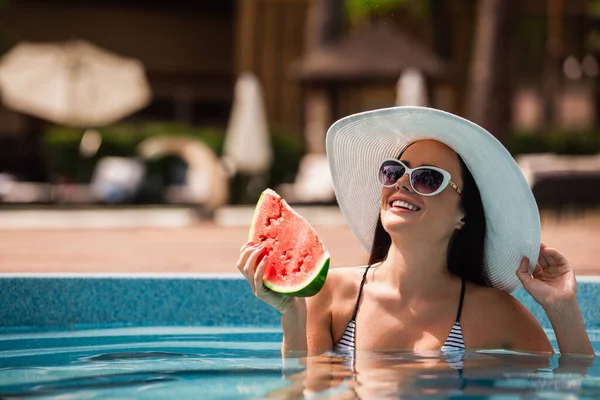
pixel 460 304
pixel 362 283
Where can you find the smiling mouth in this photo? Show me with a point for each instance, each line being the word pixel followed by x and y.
pixel 405 205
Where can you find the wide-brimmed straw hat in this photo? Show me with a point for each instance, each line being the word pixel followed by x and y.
pixel 358 144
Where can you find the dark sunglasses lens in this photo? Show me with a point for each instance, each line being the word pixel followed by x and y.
pixel 427 180
pixel 390 172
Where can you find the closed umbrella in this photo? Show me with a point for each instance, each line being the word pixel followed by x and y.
pixel 74 83
pixel 411 89
pixel 247 147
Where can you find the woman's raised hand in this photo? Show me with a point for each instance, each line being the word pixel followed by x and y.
pixel 552 281
pixel 553 285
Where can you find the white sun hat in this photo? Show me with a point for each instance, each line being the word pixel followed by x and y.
pixel 358 144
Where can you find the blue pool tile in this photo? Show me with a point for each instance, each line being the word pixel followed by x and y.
pixel 128 301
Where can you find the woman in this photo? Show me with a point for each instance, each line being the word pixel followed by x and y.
pixel 452 227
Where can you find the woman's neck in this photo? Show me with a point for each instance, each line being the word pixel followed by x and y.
pixel 416 268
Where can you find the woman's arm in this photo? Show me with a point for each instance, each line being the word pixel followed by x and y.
pixel 554 287
pixel 293 323
pixel 307 325
pixel 569 329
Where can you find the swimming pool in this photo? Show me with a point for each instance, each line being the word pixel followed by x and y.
pixel 100 337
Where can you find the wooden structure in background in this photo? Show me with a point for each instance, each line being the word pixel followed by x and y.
pixel 270 37
pixel 193 51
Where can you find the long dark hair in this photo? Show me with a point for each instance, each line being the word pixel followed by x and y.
pixel 466 248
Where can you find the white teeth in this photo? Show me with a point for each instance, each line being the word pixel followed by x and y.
pixel 404 204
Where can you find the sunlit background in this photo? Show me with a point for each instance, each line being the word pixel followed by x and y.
pixel 135 136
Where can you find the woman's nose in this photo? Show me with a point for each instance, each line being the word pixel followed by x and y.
pixel 403 182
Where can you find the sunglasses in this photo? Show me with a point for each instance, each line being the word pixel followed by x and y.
pixel 426 181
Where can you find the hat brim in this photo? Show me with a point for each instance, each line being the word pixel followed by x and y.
pixel 357 144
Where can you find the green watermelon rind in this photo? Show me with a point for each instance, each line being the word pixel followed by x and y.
pixel 314 285
pixel 311 288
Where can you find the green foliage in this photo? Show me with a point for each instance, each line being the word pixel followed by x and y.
pixel 593 8
pixel 531 33
pixel 359 9
pixel 557 141
pixel 593 39
pixel 287 151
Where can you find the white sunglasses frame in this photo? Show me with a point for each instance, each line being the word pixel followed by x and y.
pixel 408 171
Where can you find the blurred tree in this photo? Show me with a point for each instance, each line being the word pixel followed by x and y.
pixel 552 61
pixel 593 43
pixel 3 40
pixel 324 22
pixel 489 86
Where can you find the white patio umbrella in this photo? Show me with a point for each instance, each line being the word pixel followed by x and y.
pixel 247 147
pixel 74 83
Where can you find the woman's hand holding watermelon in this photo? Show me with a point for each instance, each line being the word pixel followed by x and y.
pixel 286 264
pixel 293 309
pixel 252 266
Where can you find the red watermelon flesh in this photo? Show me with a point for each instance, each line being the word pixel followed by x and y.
pixel 297 260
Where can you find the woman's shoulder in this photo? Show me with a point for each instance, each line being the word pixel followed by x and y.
pixel 499 314
pixel 494 302
pixel 340 285
pixel 344 281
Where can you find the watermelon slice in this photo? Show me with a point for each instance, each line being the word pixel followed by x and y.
pixel 297 260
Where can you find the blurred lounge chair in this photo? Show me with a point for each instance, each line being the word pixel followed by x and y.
pixel 14 191
pixel 312 184
pixel 117 179
pixel 560 183
pixel 200 179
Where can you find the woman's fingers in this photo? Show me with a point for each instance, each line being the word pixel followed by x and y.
pixel 551 255
pixel 245 254
pixel 538 269
pixel 541 262
pixel 551 264
pixel 551 259
pixel 556 256
pixel 250 266
pixel 523 272
pixel 548 260
pixel 258 277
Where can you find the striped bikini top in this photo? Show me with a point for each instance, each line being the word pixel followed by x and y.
pixel 453 343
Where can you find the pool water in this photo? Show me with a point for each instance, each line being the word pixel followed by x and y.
pixel 245 363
